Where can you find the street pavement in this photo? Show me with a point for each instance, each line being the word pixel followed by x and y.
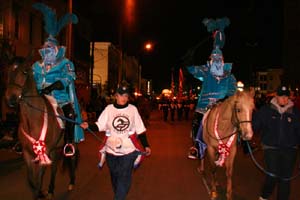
pixel 166 175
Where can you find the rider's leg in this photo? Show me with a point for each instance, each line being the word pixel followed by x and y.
pixel 193 154
pixel 70 150
pixel 69 129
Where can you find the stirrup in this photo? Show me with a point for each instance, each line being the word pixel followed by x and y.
pixel 72 152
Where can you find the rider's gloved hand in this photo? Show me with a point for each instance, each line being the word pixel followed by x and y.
pixel 57 85
pixel 45 91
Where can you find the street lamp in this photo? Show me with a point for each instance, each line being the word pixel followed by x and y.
pixel 148 46
pixel 240 85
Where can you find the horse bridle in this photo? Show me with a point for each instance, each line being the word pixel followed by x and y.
pixel 236 124
pixel 20 86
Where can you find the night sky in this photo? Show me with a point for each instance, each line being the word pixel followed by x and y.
pixel 253 39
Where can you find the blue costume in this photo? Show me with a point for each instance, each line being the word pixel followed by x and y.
pixel 55 75
pixel 218 82
pixel 214 87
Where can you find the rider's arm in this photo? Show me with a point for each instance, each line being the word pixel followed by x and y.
pixel 198 71
pixel 232 86
pixel 68 73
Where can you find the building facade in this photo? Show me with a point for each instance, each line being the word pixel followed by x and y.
pixel 269 80
pixel 111 66
pixel 22 34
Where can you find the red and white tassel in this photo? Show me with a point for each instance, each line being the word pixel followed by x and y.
pixel 138 146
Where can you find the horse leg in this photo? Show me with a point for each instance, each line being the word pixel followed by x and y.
pixel 213 170
pixel 229 171
pixel 32 175
pixel 40 172
pixel 200 168
pixel 51 187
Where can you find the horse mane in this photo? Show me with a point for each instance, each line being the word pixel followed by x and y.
pixel 25 65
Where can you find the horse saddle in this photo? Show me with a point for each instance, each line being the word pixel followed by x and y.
pixel 57 110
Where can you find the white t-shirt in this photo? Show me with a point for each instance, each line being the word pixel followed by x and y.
pixel 119 123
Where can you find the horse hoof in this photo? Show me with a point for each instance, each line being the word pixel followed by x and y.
pixel 213 195
pixel 70 187
pixel 50 196
pixel 200 171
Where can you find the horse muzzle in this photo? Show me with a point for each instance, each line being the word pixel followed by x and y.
pixel 246 131
pixel 247 137
pixel 13 101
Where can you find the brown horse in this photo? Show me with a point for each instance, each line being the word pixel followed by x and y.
pixel 222 126
pixel 40 132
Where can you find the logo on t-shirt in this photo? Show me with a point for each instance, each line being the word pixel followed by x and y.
pixel 121 123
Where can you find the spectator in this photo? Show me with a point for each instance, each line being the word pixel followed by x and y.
pixel 173 108
pixel 165 106
pixel 179 109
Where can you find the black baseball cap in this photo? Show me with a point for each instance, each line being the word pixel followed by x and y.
pixel 123 90
pixel 283 91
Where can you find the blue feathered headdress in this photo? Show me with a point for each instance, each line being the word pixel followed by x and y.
pixel 52 25
pixel 217 28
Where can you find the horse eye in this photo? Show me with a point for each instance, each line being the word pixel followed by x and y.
pixel 15 67
pixel 238 110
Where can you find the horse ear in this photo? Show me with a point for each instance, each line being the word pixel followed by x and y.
pixel 252 91
pixel 238 92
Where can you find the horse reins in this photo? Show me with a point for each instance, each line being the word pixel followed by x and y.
pixel 59 116
pixel 235 124
pixel 238 122
pixel 265 171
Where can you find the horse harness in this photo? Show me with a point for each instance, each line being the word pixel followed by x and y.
pixel 224 148
pixel 234 121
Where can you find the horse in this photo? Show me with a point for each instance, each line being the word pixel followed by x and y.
pixel 223 124
pixel 40 132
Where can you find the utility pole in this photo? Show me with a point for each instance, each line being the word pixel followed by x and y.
pixel 69 32
pixel 92 46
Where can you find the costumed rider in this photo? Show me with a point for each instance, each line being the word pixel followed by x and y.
pixel 55 76
pixel 217 82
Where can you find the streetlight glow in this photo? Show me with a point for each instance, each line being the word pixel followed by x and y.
pixel 148 46
pixel 240 85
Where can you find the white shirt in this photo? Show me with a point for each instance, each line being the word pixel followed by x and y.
pixel 119 122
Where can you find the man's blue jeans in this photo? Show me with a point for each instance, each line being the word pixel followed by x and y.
pixel 121 168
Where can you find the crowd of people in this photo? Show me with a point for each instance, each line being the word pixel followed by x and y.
pixel 173 109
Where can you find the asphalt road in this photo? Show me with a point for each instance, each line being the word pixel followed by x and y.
pixel 166 175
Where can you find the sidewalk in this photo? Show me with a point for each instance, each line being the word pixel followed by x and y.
pixel 6 150
pixel 8 155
